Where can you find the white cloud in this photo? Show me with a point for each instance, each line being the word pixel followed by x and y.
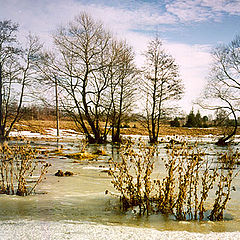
pixel 45 14
pixel 227 6
pixel 194 62
pixel 42 17
pixel 188 11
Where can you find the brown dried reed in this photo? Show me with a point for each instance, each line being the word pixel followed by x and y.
pixel 17 165
pixel 191 178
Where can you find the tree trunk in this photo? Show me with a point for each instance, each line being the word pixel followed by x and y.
pixel 153 120
pixel 2 128
pixel 96 131
pixel 57 108
pixel 153 139
pixel 117 134
pixel 224 140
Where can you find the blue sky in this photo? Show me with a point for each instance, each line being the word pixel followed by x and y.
pixel 188 28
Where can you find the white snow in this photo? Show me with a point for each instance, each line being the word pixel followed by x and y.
pixel 91 231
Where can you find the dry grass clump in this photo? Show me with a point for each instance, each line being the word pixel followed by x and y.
pixel 190 179
pixel 46 152
pixel 17 166
pixel 165 129
pixel 81 156
pixel 101 152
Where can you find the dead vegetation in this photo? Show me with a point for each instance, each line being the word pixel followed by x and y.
pixel 40 126
pixel 131 176
pixel 18 164
pixel 135 128
pixel 195 187
pixel 81 156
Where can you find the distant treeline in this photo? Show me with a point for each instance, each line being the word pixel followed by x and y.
pixel 40 112
pixel 196 120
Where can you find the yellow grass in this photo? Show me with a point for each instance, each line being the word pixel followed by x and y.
pixel 81 156
pixel 40 126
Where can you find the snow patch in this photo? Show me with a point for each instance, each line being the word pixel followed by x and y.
pixel 87 230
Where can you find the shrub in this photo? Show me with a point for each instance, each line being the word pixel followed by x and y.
pixel 184 191
pixel 131 176
pixel 17 165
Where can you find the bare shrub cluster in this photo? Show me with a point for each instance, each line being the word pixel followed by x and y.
pixel 131 176
pixel 194 187
pixel 17 166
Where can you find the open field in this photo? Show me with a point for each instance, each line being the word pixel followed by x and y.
pixel 40 126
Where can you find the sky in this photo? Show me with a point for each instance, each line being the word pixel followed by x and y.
pixel 189 29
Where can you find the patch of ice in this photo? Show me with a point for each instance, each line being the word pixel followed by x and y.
pixel 68 132
pixel 50 133
pixel 25 134
pixel 96 168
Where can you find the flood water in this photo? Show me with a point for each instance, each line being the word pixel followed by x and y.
pixel 77 207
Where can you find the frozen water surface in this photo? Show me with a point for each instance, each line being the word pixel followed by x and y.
pixel 77 208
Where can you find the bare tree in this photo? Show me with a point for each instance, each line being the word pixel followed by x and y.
pixel 81 48
pixel 223 88
pixel 89 66
pixel 225 101
pixel 16 72
pixel 122 87
pixel 161 85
